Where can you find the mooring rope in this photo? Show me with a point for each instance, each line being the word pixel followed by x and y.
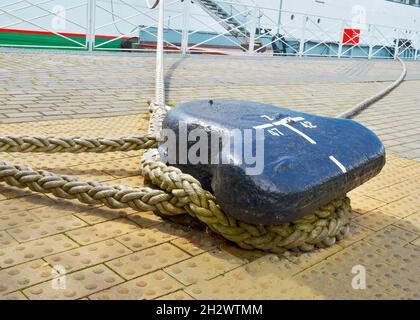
pixel 174 192
pixel 354 111
pixel 75 144
pixel 180 193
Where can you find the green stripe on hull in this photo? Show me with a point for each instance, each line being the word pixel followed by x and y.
pixel 16 39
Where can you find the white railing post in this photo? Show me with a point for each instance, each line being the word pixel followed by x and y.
pixel 160 81
pixel 302 37
pixel 185 27
pixel 416 51
pixel 253 27
pixel 340 40
pixel 397 47
pixel 369 37
pixel 91 7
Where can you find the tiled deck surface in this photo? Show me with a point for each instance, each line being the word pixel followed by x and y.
pixel 126 255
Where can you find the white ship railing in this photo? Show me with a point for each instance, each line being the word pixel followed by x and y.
pixel 40 15
pixel 189 29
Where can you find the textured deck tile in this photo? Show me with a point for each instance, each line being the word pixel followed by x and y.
pixel 148 260
pixel 25 275
pixel 15 219
pixel 178 295
pixel 365 204
pixel 391 237
pixel 34 249
pixel 13 296
pixel 196 243
pixel 149 286
pixel 47 213
pixel 21 204
pixel 145 219
pixel 410 223
pixel 46 228
pixel 6 239
pixel 375 220
pixel 204 266
pixel 102 231
pixel 403 207
pixel 76 285
pixel 356 233
pixel 152 236
pixel 89 255
pixel 307 259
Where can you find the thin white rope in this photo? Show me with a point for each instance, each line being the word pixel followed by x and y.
pixel 352 112
pixel 160 80
pixel 152 3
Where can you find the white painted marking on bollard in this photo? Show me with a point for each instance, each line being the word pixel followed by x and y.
pixel 339 164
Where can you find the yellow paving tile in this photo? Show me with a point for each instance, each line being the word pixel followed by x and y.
pixel 15 219
pixel 134 181
pixel 13 296
pixel 45 228
pixel 145 219
pixel 89 172
pixel 148 260
pixel 307 259
pixel 391 194
pixel 13 193
pixel 356 233
pixel 375 220
pixel 76 285
pixel 391 237
pixel 101 214
pixel 413 250
pixel 6 240
pixel 126 167
pixel 327 287
pixel 261 289
pixel 178 295
pixel 149 286
pixel 144 238
pixel 50 162
pixel 410 223
pixel 400 162
pixel 47 213
pixel 388 177
pixel 102 231
pixel 365 204
pixel 403 283
pixel 24 275
pixel 362 248
pixel 204 266
pixel 196 242
pixel 416 242
pixel 22 204
pixel 403 207
pixel 89 255
pixel 15 254
pixel 268 267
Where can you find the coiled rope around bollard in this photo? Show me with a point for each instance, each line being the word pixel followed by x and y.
pixel 176 193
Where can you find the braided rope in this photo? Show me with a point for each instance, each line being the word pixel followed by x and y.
pixel 178 193
pixel 181 193
pixel 75 144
